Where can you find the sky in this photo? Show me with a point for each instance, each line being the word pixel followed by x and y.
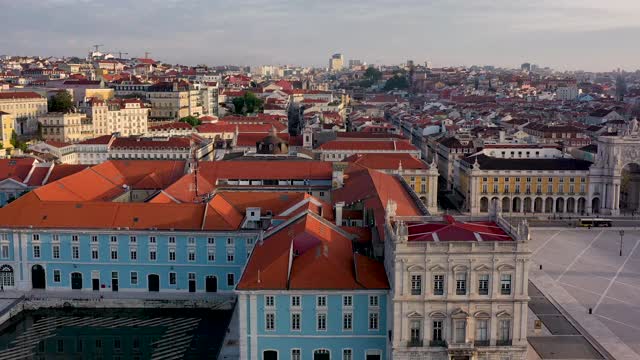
pixel 595 35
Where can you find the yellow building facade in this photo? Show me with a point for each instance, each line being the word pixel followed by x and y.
pixel 524 186
pixel 8 126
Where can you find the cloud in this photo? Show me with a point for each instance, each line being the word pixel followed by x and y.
pixel 501 32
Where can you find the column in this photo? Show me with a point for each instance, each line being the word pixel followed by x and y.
pixel 253 309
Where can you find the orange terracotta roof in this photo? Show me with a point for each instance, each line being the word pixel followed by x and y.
pixel 363 145
pixel 324 260
pixel 16 169
pixel 387 161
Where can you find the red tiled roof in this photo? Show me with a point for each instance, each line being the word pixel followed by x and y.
pixel 16 169
pixel 57 144
pixel 379 145
pixel 100 140
pixel 150 143
pixel 452 230
pixel 387 161
pixel 64 170
pixel 325 260
pixel 20 95
pixel 178 125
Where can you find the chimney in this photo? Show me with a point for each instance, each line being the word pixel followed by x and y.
pixel 337 175
pixel 502 135
pixel 339 207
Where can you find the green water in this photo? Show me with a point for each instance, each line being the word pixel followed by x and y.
pixel 116 334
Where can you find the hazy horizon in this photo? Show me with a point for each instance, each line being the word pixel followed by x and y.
pixel 565 35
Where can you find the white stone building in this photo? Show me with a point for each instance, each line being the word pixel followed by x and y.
pixel 458 287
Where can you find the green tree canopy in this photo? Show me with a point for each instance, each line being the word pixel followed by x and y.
pixel 372 74
pixel 61 102
pixel 247 104
pixel 396 82
pixel 191 120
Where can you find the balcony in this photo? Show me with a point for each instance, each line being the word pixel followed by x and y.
pixel 504 342
pixel 482 343
pixel 415 343
pixel 438 343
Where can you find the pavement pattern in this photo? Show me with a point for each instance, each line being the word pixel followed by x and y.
pixel 586 265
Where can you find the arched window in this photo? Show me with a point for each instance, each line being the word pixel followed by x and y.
pixel 6 275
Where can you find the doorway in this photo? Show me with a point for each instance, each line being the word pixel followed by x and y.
pixel 76 281
pixel 95 284
pixel 153 282
pixel 38 280
pixel 211 283
pixel 114 281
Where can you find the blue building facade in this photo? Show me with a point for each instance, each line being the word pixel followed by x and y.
pixel 314 325
pixel 123 260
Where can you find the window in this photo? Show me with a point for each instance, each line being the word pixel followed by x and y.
pixel 437 330
pixel 347 354
pixel 438 284
pixel 347 301
pixel 191 240
pixel 152 239
pixel 416 284
pixel 321 321
pixel 504 330
pixel 55 250
pixel 36 237
pixel 94 254
pixel 295 321
pixel 321 301
pixel 482 330
pixel 74 238
pixel 56 276
pixel 192 255
pixel 460 327
pixel 133 254
pixel 94 238
pixel 134 278
pixel 5 251
pixel 114 239
pixel 133 239
pixel 36 251
pixel 249 241
pixel 172 254
pixel 152 254
pixel 231 280
pixel 295 301
pixel 415 330
pixel 230 255
pixel 269 301
pixel 295 354
pixel 373 321
pixel 75 252
pixel 114 254
pixel 172 239
pixel 172 278
pixel 269 321
pixel 211 241
pixel 505 284
pixel 373 300
pixel 461 284
pixel 229 241
pixel 347 321
pixel 211 255
pixel 483 284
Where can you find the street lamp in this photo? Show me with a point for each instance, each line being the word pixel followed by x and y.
pixel 621 236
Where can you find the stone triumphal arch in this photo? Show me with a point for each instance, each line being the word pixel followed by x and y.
pixel 614 178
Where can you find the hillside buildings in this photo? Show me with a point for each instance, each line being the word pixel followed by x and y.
pixel 24 107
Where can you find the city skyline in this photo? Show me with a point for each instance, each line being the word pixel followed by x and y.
pixel 572 35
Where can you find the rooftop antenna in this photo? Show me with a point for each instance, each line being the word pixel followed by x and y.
pixel 97 46
pixel 120 53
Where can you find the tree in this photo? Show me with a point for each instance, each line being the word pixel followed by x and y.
pixel 247 104
pixel 14 139
pixel 61 102
pixel 372 74
pixel 251 102
pixel 397 82
pixel 238 105
pixel 191 120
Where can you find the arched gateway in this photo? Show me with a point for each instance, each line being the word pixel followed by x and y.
pixel 614 186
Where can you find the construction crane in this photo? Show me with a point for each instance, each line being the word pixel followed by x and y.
pixel 120 53
pixel 97 46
